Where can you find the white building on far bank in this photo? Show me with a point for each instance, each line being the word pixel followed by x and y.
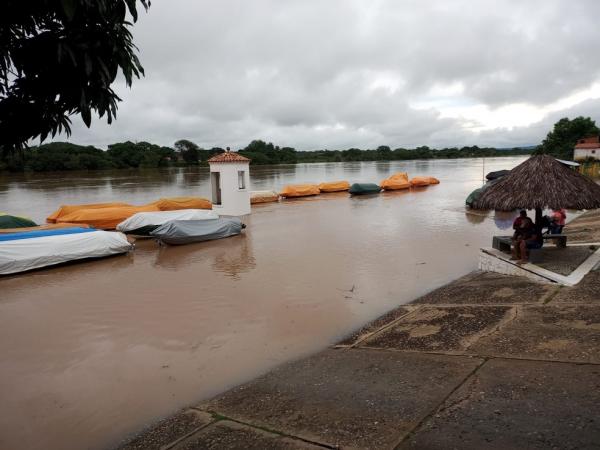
pixel 587 148
pixel 229 182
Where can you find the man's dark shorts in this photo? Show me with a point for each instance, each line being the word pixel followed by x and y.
pixel 533 244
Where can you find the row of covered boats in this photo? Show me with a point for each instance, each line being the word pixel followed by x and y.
pixel 76 232
pixel 397 181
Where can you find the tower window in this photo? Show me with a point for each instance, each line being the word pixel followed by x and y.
pixel 241 179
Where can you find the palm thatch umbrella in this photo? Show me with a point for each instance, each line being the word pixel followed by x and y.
pixel 538 183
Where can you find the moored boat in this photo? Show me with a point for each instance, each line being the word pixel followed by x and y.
pixel 64 210
pixel 364 189
pixel 21 252
pixel 396 181
pixel 105 218
pixel 7 221
pixel 46 226
pixel 334 186
pixel 263 197
pixel 143 223
pixel 423 181
pixel 299 190
pixel 178 203
pixel 178 232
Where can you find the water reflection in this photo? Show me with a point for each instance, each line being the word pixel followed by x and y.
pixel 231 256
pixel 236 261
pixel 504 219
pixel 475 216
pixel 383 169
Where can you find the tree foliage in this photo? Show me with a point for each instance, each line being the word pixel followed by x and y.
pixel 59 58
pixel 125 155
pixel 189 151
pixel 560 142
pixel 140 154
pixel 262 153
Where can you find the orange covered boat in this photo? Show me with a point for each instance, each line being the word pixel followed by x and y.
pixel 105 218
pixel 334 186
pixel 423 181
pixel 177 203
pixel 300 190
pixel 395 182
pixel 68 209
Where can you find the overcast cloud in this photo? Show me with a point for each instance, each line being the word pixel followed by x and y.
pixel 348 73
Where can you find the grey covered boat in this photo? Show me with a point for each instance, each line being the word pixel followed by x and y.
pixel 178 232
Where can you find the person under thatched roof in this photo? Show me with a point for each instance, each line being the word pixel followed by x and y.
pixel 538 183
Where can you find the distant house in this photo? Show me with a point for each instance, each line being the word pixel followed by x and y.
pixel 587 148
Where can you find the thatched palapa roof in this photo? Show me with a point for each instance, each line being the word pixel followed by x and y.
pixel 541 182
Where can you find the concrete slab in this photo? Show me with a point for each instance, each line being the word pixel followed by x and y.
pixel 510 404
pixel 443 328
pixel 169 430
pixel 488 288
pixel 587 291
pixel 551 332
pixel 234 436
pixel 563 260
pixel 356 398
pixel 371 327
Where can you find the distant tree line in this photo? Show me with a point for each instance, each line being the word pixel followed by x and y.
pixel 124 155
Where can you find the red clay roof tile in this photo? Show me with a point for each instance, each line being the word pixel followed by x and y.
pixel 228 157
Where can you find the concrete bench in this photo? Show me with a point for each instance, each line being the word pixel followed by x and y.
pixel 503 243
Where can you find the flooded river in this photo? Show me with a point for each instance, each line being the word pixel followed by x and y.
pixel 92 352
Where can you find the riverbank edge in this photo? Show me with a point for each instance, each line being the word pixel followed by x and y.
pixel 479 327
pixel 204 164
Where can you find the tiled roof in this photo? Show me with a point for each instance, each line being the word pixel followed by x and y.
pixel 228 157
pixel 587 146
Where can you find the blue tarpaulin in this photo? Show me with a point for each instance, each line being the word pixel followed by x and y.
pixel 43 233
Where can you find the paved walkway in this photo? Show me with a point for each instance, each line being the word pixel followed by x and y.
pixel 488 361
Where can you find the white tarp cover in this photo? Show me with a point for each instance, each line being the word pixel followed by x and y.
pixel 27 254
pixel 155 218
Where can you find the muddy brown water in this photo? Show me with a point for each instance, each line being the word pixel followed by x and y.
pixel 93 352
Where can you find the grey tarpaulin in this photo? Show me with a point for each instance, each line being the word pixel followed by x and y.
pixel 177 232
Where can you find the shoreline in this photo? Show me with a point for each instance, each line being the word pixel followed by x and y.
pixel 451 355
pixel 204 164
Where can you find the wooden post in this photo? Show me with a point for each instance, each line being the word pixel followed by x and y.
pixel 538 217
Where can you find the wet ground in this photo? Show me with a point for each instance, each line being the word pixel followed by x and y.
pixel 564 260
pixel 91 353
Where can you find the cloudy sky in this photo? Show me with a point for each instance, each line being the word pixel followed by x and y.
pixel 358 73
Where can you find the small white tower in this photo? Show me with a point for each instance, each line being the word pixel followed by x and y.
pixel 229 181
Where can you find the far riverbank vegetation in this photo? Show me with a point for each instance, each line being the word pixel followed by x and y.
pixel 126 155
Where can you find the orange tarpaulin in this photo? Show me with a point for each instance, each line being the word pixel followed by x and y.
pixel 300 190
pixel 48 226
pixel 423 181
pixel 105 218
pixel 334 186
pixel 176 203
pixel 403 176
pixel 68 209
pixel 396 181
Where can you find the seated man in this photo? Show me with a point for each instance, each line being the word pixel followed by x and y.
pixel 519 220
pixel 527 237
